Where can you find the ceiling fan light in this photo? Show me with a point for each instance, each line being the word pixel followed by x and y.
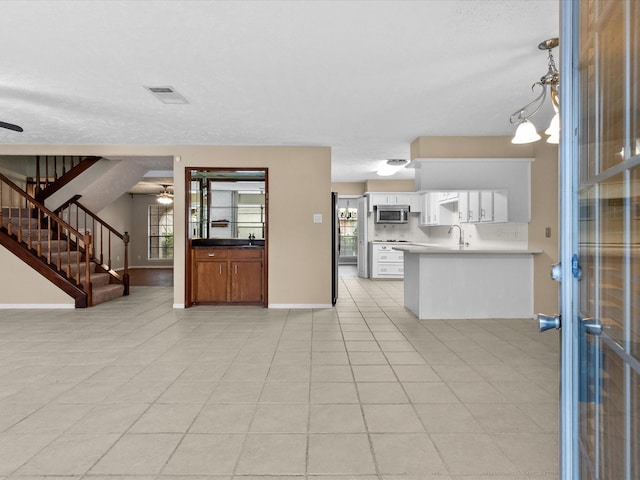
pixel 164 199
pixel 525 133
pixel 391 167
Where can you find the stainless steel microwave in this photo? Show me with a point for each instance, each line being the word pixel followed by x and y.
pixel 392 213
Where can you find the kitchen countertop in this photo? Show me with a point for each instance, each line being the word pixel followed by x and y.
pixel 443 249
pixel 399 242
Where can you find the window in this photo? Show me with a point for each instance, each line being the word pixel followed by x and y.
pixel 160 232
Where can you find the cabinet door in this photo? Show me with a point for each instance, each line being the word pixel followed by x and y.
pixel 463 207
pixel 246 281
pixel 486 206
pixel 377 199
pixel 474 207
pixel 402 199
pixel 434 207
pixel 424 211
pixel 211 281
pixel 416 203
pixel 500 209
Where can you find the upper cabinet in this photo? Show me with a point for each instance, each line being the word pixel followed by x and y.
pixel 509 176
pixel 473 206
pixel 411 199
pixel 482 206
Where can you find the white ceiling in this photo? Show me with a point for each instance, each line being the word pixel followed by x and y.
pixel 363 77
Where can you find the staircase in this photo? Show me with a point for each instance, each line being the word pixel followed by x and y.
pixel 59 251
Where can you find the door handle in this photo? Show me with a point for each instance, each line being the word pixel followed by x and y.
pixel 547 322
pixel 591 326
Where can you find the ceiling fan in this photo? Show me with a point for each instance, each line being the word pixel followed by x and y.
pixel 11 126
pixel 165 197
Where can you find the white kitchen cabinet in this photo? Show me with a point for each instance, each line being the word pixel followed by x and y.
pixel 438 208
pixel 463 207
pixel 473 211
pixel 500 207
pixel 482 206
pixel 411 199
pixel 448 197
pixel 430 213
pixel 510 175
pixel 385 261
pixel 486 206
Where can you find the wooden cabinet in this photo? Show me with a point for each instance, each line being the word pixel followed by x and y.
pixel 246 281
pixel 228 275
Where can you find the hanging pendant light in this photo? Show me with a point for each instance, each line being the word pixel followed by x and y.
pixel 525 133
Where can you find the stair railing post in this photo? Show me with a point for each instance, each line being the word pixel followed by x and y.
pixel 125 276
pixel 87 272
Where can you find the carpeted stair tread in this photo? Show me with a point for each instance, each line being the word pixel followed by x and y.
pixel 105 293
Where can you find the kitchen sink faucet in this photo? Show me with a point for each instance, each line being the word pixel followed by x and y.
pixel 461 243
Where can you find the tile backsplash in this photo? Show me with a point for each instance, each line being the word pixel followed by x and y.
pixel 477 235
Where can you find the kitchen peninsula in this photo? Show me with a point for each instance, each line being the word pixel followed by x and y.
pixel 446 283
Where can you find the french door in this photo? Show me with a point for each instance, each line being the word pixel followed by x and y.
pixel 600 240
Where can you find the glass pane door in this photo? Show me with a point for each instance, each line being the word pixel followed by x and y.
pixel 607 336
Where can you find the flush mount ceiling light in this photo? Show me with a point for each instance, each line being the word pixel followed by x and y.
pixel 526 131
pixel 164 197
pixel 391 167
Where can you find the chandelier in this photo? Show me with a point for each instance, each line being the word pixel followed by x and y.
pixel 526 131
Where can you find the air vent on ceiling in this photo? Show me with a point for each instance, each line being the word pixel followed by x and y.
pixel 167 95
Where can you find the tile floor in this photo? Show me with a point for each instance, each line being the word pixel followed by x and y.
pixel 364 391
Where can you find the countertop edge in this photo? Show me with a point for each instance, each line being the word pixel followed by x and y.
pixel 465 251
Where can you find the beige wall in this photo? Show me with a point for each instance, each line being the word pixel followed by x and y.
pixel 348 188
pixel 390 186
pixel 19 281
pixel 299 250
pixel 544 213
pixel 469 147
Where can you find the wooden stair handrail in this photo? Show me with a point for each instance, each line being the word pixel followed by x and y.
pixel 40 207
pixel 63 229
pixel 124 237
pixel 61 175
pixel 74 201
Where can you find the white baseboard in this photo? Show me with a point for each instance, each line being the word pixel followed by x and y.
pixel 178 305
pixel 144 266
pixel 33 306
pixel 300 305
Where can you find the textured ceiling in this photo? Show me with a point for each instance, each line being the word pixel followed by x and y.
pixel 363 77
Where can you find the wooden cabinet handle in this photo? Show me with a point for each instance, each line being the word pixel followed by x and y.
pixel 211 254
